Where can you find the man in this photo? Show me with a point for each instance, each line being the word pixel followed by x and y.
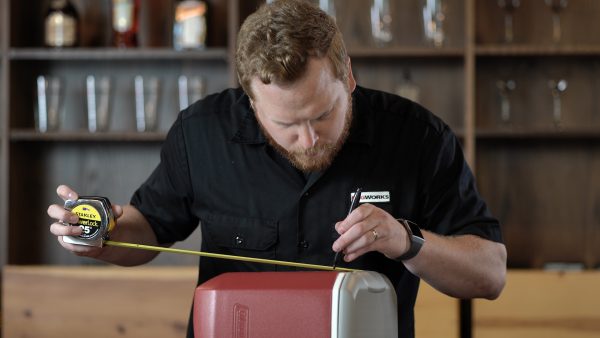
pixel 269 170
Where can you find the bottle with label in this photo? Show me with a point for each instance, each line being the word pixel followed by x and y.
pixel 189 29
pixel 61 25
pixel 125 15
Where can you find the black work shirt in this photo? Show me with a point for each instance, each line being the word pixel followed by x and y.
pixel 218 169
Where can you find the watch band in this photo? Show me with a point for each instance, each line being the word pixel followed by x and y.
pixel 416 240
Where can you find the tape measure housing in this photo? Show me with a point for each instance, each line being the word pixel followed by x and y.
pixel 95 219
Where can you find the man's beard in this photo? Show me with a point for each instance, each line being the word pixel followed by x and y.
pixel 320 156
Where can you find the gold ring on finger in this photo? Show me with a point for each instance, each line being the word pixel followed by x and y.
pixel 375 234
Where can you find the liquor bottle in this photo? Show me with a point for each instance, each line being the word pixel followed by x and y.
pixel 125 15
pixel 61 25
pixel 189 29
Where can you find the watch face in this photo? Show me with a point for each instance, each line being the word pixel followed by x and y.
pixel 414 228
pixel 416 239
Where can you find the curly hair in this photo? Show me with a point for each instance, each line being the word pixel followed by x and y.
pixel 276 42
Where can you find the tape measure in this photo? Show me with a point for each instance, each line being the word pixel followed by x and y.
pixel 97 220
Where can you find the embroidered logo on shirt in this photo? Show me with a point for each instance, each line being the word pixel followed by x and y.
pixel 373 196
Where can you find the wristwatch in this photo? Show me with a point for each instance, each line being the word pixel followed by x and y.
pixel 416 239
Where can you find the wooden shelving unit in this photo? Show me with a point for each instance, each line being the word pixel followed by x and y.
pixel 540 179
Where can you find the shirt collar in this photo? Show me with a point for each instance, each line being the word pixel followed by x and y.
pixel 362 130
pixel 248 130
pixel 363 122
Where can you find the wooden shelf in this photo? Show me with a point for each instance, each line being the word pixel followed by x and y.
pixel 29 135
pixel 117 54
pixel 539 134
pixel 406 52
pixel 533 50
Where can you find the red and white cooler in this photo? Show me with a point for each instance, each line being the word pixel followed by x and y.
pixel 296 304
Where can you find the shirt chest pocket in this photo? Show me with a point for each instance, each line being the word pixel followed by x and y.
pixel 240 235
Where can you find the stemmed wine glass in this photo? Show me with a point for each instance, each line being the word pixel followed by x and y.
pixel 509 7
pixel 557 87
pixel 556 6
pixel 505 87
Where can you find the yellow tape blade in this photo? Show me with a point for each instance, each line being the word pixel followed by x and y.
pixel 222 256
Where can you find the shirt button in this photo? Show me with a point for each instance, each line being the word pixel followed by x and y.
pixel 303 244
pixel 239 240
